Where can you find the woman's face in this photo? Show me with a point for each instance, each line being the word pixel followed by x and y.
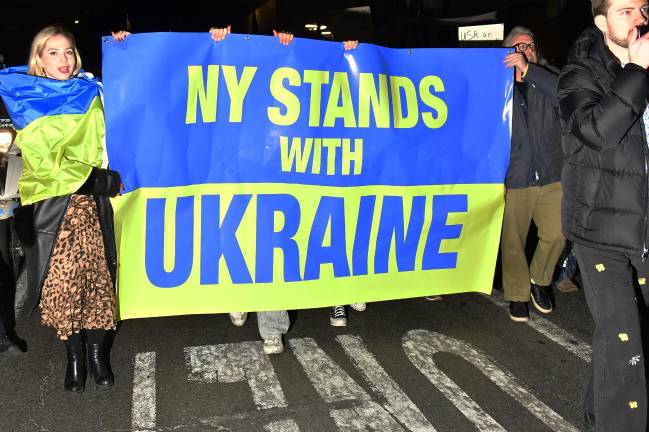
pixel 58 58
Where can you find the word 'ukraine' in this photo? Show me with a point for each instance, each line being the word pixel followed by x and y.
pixel 373 236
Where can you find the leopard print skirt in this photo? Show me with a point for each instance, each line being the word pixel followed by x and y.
pixel 78 290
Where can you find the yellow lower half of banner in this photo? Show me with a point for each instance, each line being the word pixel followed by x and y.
pixel 256 247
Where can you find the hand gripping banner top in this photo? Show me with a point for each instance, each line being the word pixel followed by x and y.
pixel 262 177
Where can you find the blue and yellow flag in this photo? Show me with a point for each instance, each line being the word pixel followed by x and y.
pixel 61 131
pixel 262 177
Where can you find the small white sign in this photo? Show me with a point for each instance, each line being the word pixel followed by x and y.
pixel 489 32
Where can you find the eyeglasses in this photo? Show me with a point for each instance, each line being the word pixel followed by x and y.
pixel 522 46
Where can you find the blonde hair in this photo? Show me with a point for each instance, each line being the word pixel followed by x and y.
pixel 38 44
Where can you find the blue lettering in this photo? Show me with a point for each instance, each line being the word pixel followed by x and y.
pixel 391 226
pixel 154 242
pixel 268 239
pixel 362 235
pixel 330 209
pixel 442 206
pixel 220 240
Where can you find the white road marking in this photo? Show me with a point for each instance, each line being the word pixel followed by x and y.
pixel 421 345
pixel 368 415
pixel 282 426
pixel 237 362
pixel 143 415
pixel 398 403
pixel 550 330
pixel 331 382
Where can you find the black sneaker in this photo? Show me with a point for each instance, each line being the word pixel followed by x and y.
pixel 338 316
pixel 541 298
pixel 518 311
pixel 7 346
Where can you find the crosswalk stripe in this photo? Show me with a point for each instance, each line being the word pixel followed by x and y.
pixel 331 382
pixel 144 392
pixel 282 426
pixel 421 345
pixel 398 403
pixel 367 415
pixel 236 362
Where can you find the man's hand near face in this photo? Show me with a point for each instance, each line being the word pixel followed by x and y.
pixel 517 60
pixel 639 49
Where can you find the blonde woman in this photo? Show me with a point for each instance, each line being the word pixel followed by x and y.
pixel 66 214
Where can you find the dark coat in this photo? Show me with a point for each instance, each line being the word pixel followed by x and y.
pixel 536 140
pixel 38 225
pixel 606 158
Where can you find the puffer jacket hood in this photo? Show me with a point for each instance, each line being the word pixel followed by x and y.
pixel 590 46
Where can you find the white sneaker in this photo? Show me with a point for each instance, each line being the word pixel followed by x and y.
pixel 338 317
pixel 360 307
pixel 273 345
pixel 238 318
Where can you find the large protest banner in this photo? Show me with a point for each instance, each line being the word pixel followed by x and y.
pixel 260 176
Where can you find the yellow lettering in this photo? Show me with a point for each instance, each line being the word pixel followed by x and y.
pixel 340 91
pixel 367 96
pixel 332 144
pixel 349 156
pixel 295 156
pixel 237 89
pixel 197 93
pixel 396 84
pixel 316 79
pixel 284 96
pixel 317 156
pixel 433 101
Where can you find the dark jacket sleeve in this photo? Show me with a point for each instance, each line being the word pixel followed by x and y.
pixel 546 80
pixel 101 182
pixel 601 118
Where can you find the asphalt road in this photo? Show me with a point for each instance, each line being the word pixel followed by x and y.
pixel 456 365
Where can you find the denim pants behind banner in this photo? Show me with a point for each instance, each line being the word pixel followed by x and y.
pixel 272 323
pixel 615 286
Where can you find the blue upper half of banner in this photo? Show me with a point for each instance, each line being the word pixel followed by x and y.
pixel 29 97
pixel 182 109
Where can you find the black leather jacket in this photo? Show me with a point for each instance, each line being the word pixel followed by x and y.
pixel 38 224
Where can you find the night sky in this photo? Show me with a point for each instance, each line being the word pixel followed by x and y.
pixel 397 23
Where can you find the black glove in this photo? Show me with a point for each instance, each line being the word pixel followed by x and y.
pixel 102 182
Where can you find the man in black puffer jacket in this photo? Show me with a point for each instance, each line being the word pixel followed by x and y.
pixel 603 94
pixel 533 180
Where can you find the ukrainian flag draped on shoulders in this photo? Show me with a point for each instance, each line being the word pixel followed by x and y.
pixel 61 131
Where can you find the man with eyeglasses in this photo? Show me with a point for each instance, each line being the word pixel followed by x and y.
pixel 533 187
pixel 603 93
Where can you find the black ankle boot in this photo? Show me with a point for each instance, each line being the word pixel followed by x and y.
pixel 75 374
pixel 98 366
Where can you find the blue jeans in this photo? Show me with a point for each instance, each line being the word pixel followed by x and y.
pixel 616 287
pixel 273 323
